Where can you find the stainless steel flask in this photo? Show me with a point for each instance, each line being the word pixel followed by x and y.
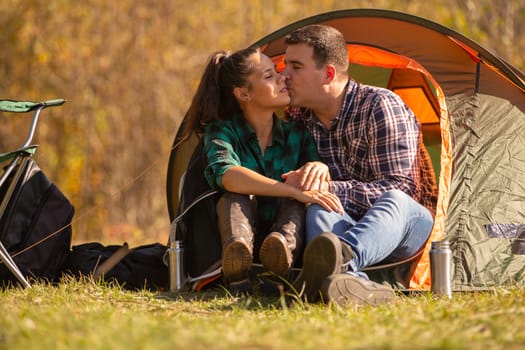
pixel 440 268
pixel 176 266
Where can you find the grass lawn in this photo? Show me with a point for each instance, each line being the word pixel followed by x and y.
pixel 88 315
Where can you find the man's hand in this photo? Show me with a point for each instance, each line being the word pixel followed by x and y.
pixel 311 176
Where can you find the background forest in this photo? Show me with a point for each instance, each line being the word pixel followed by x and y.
pixel 128 70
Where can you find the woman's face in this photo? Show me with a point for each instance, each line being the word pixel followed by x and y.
pixel 267 88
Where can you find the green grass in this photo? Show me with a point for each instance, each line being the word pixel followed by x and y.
pixel 88 315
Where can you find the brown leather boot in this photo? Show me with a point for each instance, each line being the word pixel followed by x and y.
pixel 324 256
pixel 283 247
pixel 235 218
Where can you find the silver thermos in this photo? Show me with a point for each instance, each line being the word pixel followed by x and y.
pixel 440 268
pixel 176 266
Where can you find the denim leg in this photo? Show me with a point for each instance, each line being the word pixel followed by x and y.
pixel 395 227
pixel 319 220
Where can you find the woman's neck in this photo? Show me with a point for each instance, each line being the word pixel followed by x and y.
pixel 262 124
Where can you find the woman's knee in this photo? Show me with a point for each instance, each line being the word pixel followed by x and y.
pixel 229 199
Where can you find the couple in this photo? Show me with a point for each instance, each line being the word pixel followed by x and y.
pixel 339 176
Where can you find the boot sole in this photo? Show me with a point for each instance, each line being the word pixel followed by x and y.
pixel 274 254
pixel 236 261
pixel 322 258
pixel 345 289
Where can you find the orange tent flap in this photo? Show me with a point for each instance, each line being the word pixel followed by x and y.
pixel 372 56
pixel 412 86
pixel 418 102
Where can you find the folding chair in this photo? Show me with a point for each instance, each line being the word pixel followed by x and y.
pixel 14 172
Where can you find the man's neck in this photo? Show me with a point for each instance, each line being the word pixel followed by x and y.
pixel 329 109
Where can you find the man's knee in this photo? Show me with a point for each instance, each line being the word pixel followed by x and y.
pixel 313 211
pixel 414 210
pixel 397 196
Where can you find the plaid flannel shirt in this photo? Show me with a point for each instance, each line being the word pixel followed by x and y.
pixel 234 143
pixel 371 147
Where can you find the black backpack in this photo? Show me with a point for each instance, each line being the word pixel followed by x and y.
pixel 134 269
pixel 35 226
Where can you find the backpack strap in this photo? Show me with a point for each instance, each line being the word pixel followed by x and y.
pixel 113 260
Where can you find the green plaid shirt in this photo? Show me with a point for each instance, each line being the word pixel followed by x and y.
pixel 234 143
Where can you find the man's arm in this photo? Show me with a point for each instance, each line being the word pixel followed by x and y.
pixel 391 156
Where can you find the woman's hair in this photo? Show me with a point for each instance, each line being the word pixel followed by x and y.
pixel 214 99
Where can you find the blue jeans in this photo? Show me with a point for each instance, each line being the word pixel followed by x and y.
pixel 393 229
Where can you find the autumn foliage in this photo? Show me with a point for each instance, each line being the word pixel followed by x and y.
pixel 128 70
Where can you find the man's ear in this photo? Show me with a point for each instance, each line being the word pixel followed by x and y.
pixel 330 72
pixel 241 93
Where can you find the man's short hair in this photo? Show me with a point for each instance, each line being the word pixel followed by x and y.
pixel 329 44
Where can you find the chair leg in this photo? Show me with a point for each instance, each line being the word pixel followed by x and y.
pixel 6 258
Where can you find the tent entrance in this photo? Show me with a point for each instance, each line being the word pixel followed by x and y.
pixel 408 79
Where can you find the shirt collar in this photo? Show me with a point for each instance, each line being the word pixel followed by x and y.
pixel 240 124
pixel 245 128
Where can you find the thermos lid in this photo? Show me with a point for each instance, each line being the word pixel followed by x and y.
pixel 444 244
pixel 176 244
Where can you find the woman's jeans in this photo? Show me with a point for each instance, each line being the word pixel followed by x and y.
pixel 393 229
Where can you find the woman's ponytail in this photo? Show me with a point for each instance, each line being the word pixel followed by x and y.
pixel 214 99
pixel 205 103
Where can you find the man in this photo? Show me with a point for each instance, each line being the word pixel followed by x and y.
pixel 370 141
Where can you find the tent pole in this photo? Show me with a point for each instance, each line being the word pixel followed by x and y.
pixel 478 72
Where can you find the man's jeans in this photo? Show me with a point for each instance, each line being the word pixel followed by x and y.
pixel 395 227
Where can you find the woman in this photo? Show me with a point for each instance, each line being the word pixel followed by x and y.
pixel 248 149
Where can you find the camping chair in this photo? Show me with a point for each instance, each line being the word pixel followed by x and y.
pixel 191 206
pixel 13 174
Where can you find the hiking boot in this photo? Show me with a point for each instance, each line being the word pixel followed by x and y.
pixel 322 258
pixel 283 247
pixel 346 289
pixel 236 260
pixel 235 220
pixel 275 254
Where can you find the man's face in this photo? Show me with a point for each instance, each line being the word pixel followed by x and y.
pixel 303 78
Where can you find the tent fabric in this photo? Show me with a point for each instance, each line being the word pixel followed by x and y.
pixel 472 115
pixel 487 187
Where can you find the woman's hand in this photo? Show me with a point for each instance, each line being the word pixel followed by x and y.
pixel 245 181
pixel 311 176
pixel 327 200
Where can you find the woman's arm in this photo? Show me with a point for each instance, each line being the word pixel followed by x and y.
pixel 242 180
